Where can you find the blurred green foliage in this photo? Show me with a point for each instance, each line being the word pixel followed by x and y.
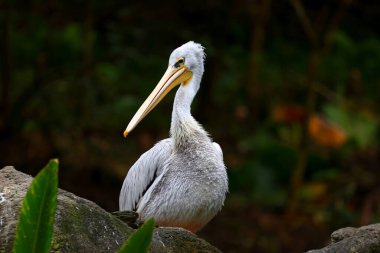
pixel 140 240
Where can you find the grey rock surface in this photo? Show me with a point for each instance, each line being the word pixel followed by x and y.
pixel 365 239
pixel 81 225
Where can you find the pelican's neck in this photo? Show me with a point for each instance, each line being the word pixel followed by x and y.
pixel 184 128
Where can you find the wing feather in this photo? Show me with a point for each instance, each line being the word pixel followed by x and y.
pixel 218 149
pixel 143 174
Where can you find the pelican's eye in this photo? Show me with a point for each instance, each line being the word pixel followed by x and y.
pixel 179 62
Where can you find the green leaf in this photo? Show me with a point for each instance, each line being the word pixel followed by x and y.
pixel 140 240
pixel 35 227
pixel 359 125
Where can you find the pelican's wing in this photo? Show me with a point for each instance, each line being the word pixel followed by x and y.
pixel 143 173
pixel 218 149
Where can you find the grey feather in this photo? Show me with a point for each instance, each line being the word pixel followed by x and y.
pixel 144 171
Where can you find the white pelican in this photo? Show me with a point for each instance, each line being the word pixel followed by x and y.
pixel 182 180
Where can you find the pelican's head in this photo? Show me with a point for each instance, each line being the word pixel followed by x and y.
pixel 185 64
pixel 192 55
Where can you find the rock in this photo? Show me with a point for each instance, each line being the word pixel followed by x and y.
pixel 128 217
pixel 81 225
pixel 365 239
pixel 342 233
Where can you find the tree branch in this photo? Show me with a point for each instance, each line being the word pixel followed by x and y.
pixel 305 22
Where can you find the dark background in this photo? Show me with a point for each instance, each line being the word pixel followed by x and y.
pixel 290 92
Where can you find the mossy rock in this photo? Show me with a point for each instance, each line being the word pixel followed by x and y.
pixel 81 225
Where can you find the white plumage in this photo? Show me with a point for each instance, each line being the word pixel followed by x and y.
pixel 182 180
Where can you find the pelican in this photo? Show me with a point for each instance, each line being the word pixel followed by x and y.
pixel 182 180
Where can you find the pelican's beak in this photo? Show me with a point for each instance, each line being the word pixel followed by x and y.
pixel 172 77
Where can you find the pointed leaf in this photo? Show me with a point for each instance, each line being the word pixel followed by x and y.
pixel 140 240
pixel 35 226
